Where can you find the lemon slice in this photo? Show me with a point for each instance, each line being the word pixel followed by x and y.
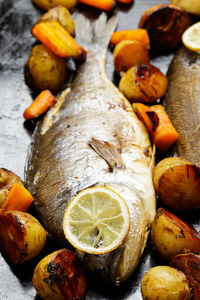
pixel 191 37
pixel 96 221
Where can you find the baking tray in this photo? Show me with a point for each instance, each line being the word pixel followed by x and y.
pixel 16 20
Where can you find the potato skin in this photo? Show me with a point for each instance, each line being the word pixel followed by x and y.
pixel 47 4
pixel 177 183
pixel 192 6
pixel 22 237
pixel 44 70
pixel 170 235
pixel 59 276
pixel 163 282
pixel 7 178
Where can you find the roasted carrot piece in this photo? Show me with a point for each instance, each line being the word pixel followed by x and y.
pixel 125 1
pixel 139 35
pixel 41 104
pixel 102 4
pixel 147 116
pixel 165 134
pixel 57 39
pixel 18 198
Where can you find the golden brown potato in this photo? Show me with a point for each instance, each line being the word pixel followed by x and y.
pixel 165 24
pixel 59 276
pixel 128 54
pixel 144 83
pixel 62 15
pixel 44 70
pixel 177 183
pixel 192 6
pixel 7 178
pixel 171 235
pixel 163 282
pixel 22 237
pixel 189 264
pixel 47 4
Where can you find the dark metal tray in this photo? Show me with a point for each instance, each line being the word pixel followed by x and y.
pixel 16 20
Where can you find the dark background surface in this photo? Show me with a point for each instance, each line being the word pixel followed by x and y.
pixel 16 20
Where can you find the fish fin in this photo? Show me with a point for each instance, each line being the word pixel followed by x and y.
pixel 108 152
pixel 95 34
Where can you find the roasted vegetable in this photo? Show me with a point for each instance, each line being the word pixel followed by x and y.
pixel 165 24
pixel 7 178
pixel 41 104
pixel 18 198
pixel 143 83
pixel 62 15
pixel 22 237
pixel 192 6
pixel 128 54
pixel 139 35
pixel 47 4
pixel 177 183
pixel 163 282
pixel 101 4
pixel 58 40
pixel 189 264
pixel 59 276
pixel 44 70
pixel 171 235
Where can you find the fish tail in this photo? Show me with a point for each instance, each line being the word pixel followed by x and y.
pixel 95 35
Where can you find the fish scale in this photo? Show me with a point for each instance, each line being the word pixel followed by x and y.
pixel 95 139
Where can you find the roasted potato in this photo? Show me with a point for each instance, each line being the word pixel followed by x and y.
pixel 44 70
pixel 7 178
pixel 128 54
pixel 192 6
pixel 171 235
pixel 189 264
pixel 62 15
pixel 59 276
pixel 144 83
pixel 177 183
pixel 163 282
pixel 165 24
pixel 22 237
pixel 47 4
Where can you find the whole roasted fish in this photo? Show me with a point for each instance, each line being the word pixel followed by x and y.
pixel 182 103
pixel 92 137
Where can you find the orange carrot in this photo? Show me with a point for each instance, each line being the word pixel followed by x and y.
pixel 41 104
pixel 125 1
pixel 18 198
pixel 139 35
pixel 147 116
pixel 57 39
pixel 165 135
pixel 102 4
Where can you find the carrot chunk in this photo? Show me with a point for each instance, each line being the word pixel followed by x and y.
pixel 139 35
pixel 165 135
pixel 41 104
pixel 18 198
pixel 57 39
pixel 125 1
pixel 102 4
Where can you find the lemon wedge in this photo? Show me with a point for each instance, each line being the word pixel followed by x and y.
pixel 96 221
pixel 191 37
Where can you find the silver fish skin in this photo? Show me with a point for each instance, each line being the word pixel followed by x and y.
pixel 63 161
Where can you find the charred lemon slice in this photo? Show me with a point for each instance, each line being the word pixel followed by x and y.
pixel 96 221
pixel 191 37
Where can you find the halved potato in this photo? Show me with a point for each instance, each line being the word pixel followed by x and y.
pixel 59 276
pixel 165 24
pixel 144 83
pixel 47 4
pixel 7 178
pixel 62 15
pixel 177 183
pixel 22 237
pixel 192 6
pixel 128 54
pixel 171 235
